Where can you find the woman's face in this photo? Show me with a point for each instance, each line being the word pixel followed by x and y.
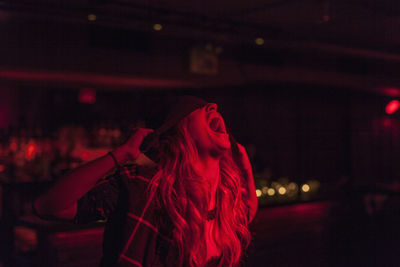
pixel 207 128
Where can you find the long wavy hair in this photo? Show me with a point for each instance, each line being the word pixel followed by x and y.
pixel 184 195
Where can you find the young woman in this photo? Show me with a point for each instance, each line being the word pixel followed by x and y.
pixel 186 201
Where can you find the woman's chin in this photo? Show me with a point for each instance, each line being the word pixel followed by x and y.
pixel 225 146
pixel 221 148
pixel 222 141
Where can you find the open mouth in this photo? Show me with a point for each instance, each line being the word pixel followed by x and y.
pixel 217 125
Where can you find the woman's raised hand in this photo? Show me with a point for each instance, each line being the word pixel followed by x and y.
pixel 244 158
pixel 130 149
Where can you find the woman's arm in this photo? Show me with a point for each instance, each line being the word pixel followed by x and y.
pixel 60 200
pixel 250 186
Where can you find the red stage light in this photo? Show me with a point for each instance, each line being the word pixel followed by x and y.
pixel 87 96
pixel 392 107
pixel 13 146
pixel 30 152
pixel 391 91
pixel 84 155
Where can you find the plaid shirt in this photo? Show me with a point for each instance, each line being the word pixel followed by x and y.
pixel 137 233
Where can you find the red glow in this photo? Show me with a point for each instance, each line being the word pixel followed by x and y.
pixel 391 91
pixel 116 133
pixel 84 155
pixel 73 237
pixel 13 146
pixel 30 152
pixel 2 168
pixel 98 79
pixel 387 123
pixel 87 96
pixel 392 107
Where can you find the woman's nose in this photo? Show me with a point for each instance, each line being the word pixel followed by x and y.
pixel 211 107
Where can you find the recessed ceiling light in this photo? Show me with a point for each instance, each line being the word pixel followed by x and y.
pixel 92 17
pixel 157 27
pixel 259 41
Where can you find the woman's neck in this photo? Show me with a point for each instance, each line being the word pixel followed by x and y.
pixel 208 168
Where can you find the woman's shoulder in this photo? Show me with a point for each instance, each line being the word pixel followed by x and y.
pixel 137 172
pixel 136 182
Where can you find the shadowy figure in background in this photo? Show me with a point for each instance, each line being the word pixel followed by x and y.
pixel 186 201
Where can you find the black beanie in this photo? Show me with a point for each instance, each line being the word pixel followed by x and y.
pixel 179 108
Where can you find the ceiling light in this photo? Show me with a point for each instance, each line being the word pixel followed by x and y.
pixel 259 41
pixel 157 27
pixel 92 17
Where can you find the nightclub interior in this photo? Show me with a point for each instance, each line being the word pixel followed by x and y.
pixel 309 88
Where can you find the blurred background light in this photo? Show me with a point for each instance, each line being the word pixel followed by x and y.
pixel 259 41
pixel 264 190
pixel 282 191
pixel 258 193
pixel 87 96
pixel 292 186
pixel 305 188
pixel 271 192
pixel 392 106
pixel 157 27
pixel 92 17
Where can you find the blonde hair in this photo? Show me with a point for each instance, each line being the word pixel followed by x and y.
pixel 185 196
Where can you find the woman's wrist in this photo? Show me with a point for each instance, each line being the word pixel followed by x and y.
pixel 119 155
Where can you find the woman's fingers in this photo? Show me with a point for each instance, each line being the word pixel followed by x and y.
pixel 147 131
pixel 139 130
pixel 244 157
pixel 136 140
pixel 242 150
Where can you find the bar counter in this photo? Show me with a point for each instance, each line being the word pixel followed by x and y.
pixel 50 243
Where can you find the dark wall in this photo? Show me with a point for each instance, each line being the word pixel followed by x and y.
pixel 375 140
pixel 298 132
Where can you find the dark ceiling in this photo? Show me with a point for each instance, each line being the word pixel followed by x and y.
pixel 363 34
pixel 366 24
